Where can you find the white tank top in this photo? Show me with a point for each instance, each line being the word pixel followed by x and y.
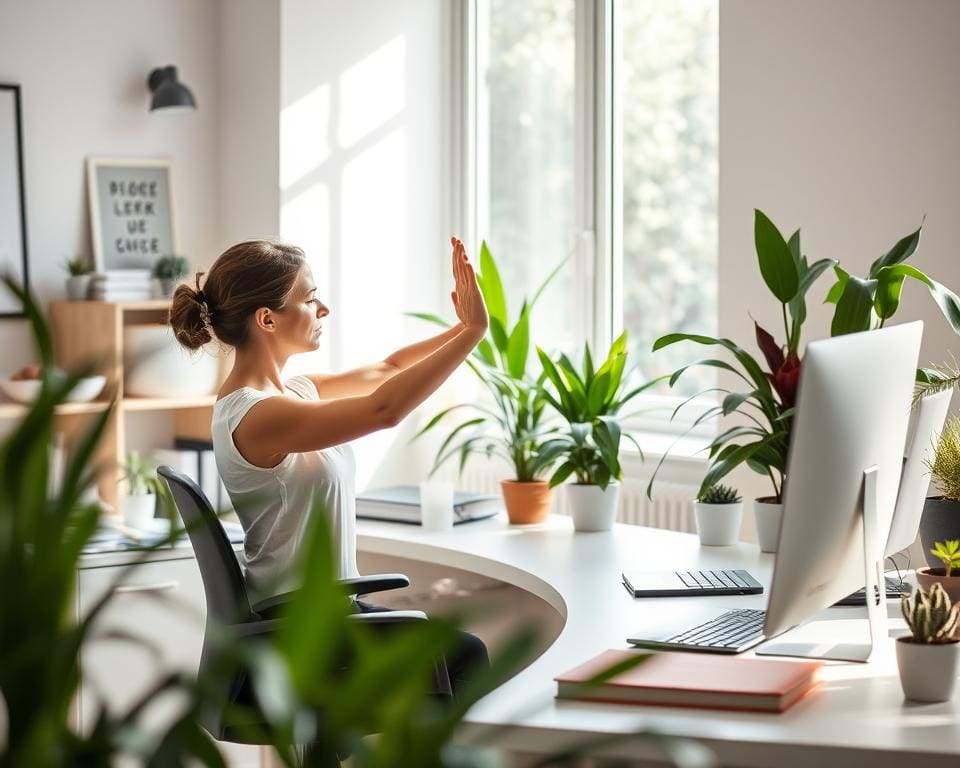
pixel 274 503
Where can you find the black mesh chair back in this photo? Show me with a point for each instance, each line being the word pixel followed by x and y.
pixel 223 582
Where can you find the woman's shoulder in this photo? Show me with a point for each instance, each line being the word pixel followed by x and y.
pixel 303 386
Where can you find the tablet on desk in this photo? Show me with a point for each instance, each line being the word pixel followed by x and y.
pixel 692 583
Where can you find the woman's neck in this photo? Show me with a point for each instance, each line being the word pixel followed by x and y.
pixel 259 369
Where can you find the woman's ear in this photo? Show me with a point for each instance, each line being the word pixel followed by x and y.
pixel 264 319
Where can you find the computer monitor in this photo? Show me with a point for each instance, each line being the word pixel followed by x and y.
pixel 843 474
pixel 927 422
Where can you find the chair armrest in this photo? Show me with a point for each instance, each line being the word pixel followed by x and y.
pixel 272 607
pixel 388 617
pixel 375 582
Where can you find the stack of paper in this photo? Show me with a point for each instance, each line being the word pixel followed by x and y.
pixel 401 504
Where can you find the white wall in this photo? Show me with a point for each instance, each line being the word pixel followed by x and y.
pixel 83 70
pixel 841 118
pixel 362 176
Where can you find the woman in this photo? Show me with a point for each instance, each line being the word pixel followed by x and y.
pixel 281 446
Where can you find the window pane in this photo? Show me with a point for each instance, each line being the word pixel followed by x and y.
pixel 668 84
pixel 526 157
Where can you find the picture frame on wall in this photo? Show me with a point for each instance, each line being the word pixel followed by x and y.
pixel 13 206
pixel 132 221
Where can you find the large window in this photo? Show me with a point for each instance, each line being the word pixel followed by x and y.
pixel 596 122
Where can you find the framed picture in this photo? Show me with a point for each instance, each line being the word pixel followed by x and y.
pixel 131 212
pixel 13 207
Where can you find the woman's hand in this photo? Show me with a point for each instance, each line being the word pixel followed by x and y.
pixel 467 299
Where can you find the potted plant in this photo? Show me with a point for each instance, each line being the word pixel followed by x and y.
pixel 718 511
pixel 947 576
pixel 143 489
pixel 169 270
pixel 766 400
pixel 511 424
pixel 927 658
pixel 589 445
pixel 941 514
pixel 78 282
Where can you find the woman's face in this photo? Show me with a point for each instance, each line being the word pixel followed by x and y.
pixel 300 318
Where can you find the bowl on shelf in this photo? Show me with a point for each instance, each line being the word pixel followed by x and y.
pixel 155 365
pixel 26 390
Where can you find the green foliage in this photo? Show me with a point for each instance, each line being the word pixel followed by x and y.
pixel 930 615
pixel 865 303
pixel 945 466
pixel 720 494
pixel 141 476
pixel 768 401
pixel 78 266
pixel 171 267
pixel 938 378
pixel 949 553
pixel 589 403
pixel 512 425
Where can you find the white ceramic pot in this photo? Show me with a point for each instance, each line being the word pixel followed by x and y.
pixel 768 524
pixel 718 524
pixel 591 507
pixel 77 287
pixel 138 509
pixel 155 365
pixel 928 672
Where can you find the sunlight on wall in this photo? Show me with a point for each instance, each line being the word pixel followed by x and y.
pixel 304 143
pixel 373 271
pixel 372 91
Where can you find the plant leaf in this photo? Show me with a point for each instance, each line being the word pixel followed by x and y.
pixel 855 307
pixel 492 287
pixel 900 252
pixel 776 261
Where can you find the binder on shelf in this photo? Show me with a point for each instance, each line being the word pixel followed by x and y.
pixel 693 680
pixel 401 504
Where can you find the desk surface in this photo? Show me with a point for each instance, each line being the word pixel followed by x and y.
pixel 858 717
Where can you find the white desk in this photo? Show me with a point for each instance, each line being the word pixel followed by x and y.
pixel 857 718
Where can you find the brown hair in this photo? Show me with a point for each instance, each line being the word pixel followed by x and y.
pixel 246 276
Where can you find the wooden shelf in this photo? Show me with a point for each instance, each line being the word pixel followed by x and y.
pixel 16 410
pixel 166 403
pixel 133 305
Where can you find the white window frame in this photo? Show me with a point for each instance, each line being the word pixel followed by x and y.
pixel 598 181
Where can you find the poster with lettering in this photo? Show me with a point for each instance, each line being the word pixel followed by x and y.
pixel 131 212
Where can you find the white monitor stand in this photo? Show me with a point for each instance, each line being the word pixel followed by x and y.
pixel 873 543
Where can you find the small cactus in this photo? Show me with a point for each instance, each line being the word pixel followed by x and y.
pixel 720 494
pixel 930 615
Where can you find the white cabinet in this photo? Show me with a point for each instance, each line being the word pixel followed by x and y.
pixel 153 624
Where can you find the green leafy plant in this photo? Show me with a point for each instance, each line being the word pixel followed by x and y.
pixel 720 494
pixel 589 402
pixel 937 378
pixel 77 266
pixel 945 465
pixel 768 400
pixel 930 615
pixel 949 553
pixel 512 424
pixel 171 267
pixel 141 476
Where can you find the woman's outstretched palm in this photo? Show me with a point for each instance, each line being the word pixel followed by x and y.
pixel 467 299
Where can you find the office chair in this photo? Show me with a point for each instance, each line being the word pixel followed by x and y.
pixel 228 607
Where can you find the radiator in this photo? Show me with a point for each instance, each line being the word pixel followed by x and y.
pixel 671 507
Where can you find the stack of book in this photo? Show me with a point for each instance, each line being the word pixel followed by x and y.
pixel 691 680
pixel 121 285
pixel 401 504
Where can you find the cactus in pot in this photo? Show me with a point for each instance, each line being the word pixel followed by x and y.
pixel 718 511
pixel 928 657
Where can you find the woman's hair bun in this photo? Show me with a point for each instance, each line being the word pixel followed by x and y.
pixel 190 327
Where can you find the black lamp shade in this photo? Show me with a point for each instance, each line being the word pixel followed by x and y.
pixel 168 92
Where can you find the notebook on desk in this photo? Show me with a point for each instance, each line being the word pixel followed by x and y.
pixel 685 680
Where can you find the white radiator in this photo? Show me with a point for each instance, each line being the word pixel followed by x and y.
pixel 671 507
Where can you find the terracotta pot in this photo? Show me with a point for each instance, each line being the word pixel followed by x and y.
pixel 940 522
pixel 927 672
pixel 768 515
pixel 927 577
pixel 526 502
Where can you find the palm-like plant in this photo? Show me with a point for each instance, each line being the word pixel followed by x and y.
pixel 590 401
pixel 512 425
